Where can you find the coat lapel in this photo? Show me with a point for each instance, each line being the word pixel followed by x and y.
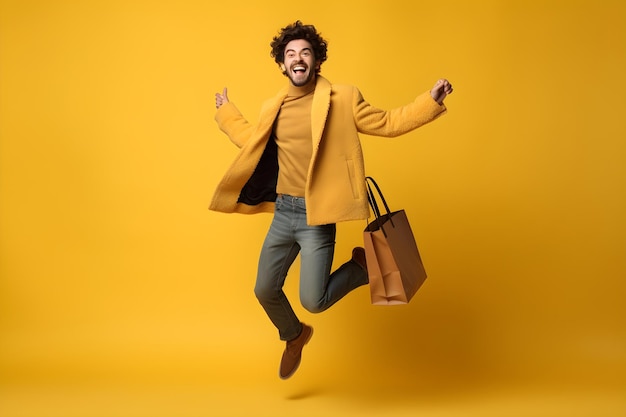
pixel 269 112
pixel 319 111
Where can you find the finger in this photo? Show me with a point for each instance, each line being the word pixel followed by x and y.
pixel 225 93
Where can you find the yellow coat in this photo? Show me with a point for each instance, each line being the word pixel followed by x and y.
pixel 335 189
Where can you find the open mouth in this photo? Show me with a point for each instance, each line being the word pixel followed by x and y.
pixel 298 69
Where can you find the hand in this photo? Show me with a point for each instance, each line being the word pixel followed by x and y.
pixel 441 90
pixel 221 99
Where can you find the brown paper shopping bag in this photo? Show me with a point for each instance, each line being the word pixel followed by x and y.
pixel 394 264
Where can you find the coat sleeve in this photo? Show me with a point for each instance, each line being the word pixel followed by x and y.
pixel 390 123
pixel 232 122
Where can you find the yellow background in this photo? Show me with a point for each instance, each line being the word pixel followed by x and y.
pixel 122 295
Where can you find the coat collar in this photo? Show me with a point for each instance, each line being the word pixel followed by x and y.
pixel 319 110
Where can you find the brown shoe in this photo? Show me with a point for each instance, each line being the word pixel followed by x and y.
pixel 293 352
pixel 358 256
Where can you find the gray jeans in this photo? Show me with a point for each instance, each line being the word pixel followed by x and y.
pixel 289 235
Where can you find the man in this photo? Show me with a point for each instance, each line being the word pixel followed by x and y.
pixel 303 162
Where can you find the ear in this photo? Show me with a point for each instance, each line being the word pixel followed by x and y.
pixel 282 67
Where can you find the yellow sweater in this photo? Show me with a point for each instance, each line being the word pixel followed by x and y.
pixel 293 139
pixel 335 184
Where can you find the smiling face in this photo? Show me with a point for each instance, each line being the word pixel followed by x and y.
pixel 299 63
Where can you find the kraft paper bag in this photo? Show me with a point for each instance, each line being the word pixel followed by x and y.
pixel 394 264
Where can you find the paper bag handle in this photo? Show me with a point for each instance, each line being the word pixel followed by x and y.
pixel 372 200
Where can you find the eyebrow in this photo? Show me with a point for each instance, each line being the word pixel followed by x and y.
pixel 303 49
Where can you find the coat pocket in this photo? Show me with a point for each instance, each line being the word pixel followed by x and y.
pixel 352 178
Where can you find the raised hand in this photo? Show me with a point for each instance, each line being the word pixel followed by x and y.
pixel 441 90
pixel 221 99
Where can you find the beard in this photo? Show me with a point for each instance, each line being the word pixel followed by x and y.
pixel 301 79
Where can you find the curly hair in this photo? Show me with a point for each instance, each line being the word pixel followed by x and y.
pixel 294 31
